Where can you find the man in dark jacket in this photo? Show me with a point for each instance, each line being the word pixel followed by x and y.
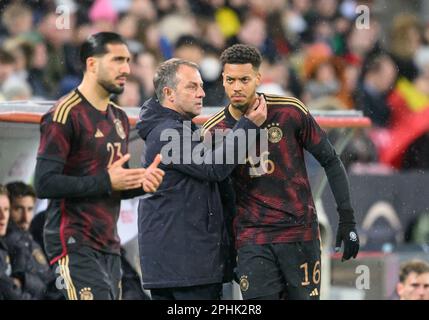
pixel 10 288
pixel 29 263
pixel 182 232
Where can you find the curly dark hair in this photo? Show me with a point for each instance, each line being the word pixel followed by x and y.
pixel 241 54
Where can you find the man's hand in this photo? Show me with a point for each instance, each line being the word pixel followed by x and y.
pixel 257 113
pixel 153 175
pixel 347 233
pixel 125 179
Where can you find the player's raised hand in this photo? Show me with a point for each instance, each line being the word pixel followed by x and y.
pixel 123 178
pixel 257 112
pixel 153 175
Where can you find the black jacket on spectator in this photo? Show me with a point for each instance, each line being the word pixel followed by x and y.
pixel 183 239
pixel 8 289
pixel 29 263
pixel 373 105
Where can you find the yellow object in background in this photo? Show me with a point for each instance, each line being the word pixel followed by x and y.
pixel 228 21
pixel 416 100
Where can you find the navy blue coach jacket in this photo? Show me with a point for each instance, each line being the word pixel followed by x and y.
pixel 182 235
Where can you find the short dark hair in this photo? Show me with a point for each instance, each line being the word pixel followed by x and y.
pixel 19 189
pixel 188 41
pixel 241 54
pixel 417 266
pixel 374 61
pixel 165 75
pixel 96 44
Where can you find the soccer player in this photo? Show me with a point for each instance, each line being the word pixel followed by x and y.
pixel 276 228
pixel 83 148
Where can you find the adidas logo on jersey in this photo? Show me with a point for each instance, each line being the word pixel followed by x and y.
pixel 99 134
pixel 71 240
pixel 314 293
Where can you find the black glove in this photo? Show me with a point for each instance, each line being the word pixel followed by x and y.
pixel 347 233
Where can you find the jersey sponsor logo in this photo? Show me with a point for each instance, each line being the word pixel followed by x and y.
pixel 86 294
pixel 71 240
pixel 98 134
pixel 244 283
pixel 39 256
pixel 119 129
pixel 275 134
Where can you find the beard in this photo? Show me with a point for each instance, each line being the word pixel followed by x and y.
pixel 241 107
pixel 110 87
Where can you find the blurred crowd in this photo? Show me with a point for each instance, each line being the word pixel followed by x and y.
pixel 321 51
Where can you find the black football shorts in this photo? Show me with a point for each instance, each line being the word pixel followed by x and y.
pixel 88 274
pixel 286 270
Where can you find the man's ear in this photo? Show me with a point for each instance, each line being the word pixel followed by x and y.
pixel 168 94
pixel 223 78
pixel 91 64
pixel 258 78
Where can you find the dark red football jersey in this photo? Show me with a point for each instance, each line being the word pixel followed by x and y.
pixel 273 195
pixel 86 141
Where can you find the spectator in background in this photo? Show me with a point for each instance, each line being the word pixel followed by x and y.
pixel 131 96
pixel 413 281
pixel 144 69
pixel 378 77
pixel 254 32
pixel 10 288
pixel 361 41
pixel 206 56
pixel 18 19
pixel 7 67
pixel 406 40
pixel 128 27
pixel 55 39
pixel 7 64
pixel 29 263
pixel 274 77
pixel 189 47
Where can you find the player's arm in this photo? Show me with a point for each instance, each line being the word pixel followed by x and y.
pixel 209 170
pixel 51 183
pixel 317 143
pixel 50 180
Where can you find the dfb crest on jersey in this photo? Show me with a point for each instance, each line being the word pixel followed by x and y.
pixel 86 294
pixel 119 129
pixel 244 283
pixel 275 134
